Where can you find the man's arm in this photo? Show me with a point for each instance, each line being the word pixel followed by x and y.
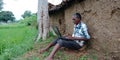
pixel 86 35
pixel 76 38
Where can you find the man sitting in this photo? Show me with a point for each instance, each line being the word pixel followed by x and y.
pixel 76 41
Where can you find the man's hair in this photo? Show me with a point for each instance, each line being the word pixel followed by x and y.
pixel 77 15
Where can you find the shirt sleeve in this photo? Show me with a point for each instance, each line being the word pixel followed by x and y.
pixel 73 31
pixel 85 32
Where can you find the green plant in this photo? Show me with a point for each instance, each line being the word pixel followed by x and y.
pixel 32 20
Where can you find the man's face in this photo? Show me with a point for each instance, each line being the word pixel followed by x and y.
pixel 75 20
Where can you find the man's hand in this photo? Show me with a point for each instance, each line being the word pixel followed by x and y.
pixel 75 38
pixel 70 37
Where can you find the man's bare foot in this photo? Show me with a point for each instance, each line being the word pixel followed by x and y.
pixel 42 50
pixel 49 58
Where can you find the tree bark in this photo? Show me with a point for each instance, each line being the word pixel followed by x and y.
pixel 42 19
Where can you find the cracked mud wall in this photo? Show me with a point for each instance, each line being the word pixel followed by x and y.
pixel 103 20
pixel 57 19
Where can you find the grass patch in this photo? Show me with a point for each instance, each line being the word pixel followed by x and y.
pixel 15 40
pixel 60 55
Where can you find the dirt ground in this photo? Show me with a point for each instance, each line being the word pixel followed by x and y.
pixel 62 54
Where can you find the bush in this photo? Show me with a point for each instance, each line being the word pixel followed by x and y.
pixel 30 21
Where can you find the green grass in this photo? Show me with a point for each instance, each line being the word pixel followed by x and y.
pixel 60 55
pixel 16 43
pixel 15 39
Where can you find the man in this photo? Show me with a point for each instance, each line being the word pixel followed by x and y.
pixel 76 41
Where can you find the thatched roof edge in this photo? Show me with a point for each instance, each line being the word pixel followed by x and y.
pixel 62 6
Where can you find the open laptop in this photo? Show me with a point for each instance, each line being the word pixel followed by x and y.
pixel 56 30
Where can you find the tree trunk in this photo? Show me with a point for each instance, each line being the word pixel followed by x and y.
pixel 43 19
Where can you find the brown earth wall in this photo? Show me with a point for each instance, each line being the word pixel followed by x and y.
pixel 103 20
pixel 57 19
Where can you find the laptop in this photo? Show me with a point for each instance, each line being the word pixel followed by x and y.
pixel 56 30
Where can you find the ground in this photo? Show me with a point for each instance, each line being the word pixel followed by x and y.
pixel 62 54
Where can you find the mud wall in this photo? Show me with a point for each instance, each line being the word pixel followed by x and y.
pixel 57 19
pixel 103 20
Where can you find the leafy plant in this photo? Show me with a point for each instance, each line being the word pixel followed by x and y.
pixel 32 20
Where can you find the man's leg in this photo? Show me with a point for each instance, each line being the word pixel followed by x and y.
pixel 55 49
pixel 63 43
pixel 49 45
